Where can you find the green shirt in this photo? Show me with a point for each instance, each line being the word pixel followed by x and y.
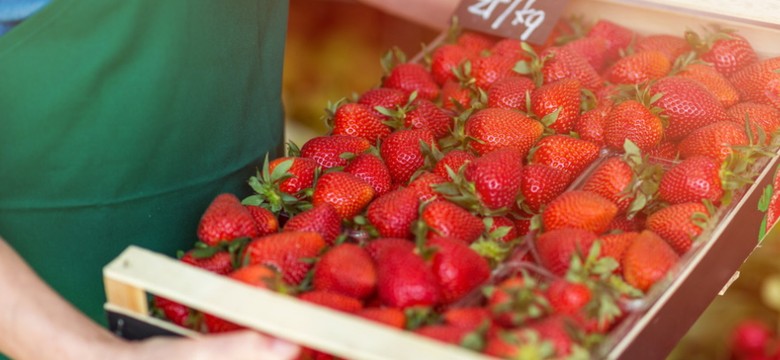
pixel 121 120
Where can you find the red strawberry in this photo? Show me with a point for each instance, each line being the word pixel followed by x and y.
pixel 694 179
pixel 763 116
pixel 446 219
pixel 383 97
pixel 670 45
pixel 458 269
pixel 258 275
pixel 614 245
pixel 556 247
pixel 405 280
pixel 631 120
pixel 456 95
pixel 393 317
pixel 623 223
pixel 423 185
pixel 518 344
pixel 564 152
pixel 327 150
pixel 727 52
pixel 647 260
pixel 322 219
pixel 225 219
pixel 215 325
pixel 515 300
pixel 556 330
pixel 496 177
pixel 286 252
pixel 219 263
pixel 750 339
pixel 377 247
pixel 411 77
pixel 590 125
pixel 567 64
pixel 470 318
pixel 639 68
pixel 678 225
pixel 567 297
pixel 562 96
pixel 424 114
pixel 714 81
pixel 402 153
pixel 510 93
pixel 507 228
pixel 475 42
pixel 346 269
pixel 593 49
pixel 487 70
pixel 759 82
pixel 445 333
pixel 540 184
pixel 371 169
pixel 665 150
pixel 618 37
pixel 392 214
pixel 301 174
pixel 579 209
pixel 359 120
pixel 715 140
pixel 332 300
pixel 509 47
pixel 453 159
pixel 264 219
pixel 688 105
pixel 445 59
pixel 173 311
pixel 612 179
pixel 348 194
pixel 501 128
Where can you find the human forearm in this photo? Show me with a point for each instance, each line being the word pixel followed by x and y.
pixel 432 13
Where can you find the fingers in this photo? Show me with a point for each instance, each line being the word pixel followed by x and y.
pixel 252 345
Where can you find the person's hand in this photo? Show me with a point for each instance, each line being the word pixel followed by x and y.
pixel 235 345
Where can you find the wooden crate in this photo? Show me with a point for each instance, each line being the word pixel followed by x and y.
pixel 649 333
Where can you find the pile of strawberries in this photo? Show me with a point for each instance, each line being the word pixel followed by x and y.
pixel 510 198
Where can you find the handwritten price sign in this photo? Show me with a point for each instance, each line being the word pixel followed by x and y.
pixel 527 20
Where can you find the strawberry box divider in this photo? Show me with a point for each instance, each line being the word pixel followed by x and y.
pixel 137 272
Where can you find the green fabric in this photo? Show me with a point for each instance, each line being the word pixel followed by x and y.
pixel 121 120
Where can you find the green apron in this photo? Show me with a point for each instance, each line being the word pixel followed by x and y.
pixel 121 120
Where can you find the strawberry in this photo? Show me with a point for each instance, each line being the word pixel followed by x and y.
pixel 456 95
pixel 301 174
pixel 563 97
pixel 670 45
pixel 503 229
pixel 765 117
pixel 623 223
pixel 556 330
pixel 590 125
pixel 264 219
pixel 679 224
pixel 715 140
pixel 496 177
pixel 358 120
pixel 665 150
pixel 470 318
pixel 475 42
pixel 216 325
pixel 327 150
pixel 618 37
pixel 445 333
pixel 218 263
pixel 458 269
pixel 520 343
pixel 411 77
pixel 647 260
pixel 453 159
pixel 446 219
pixel 593 49
pixel 579 209
pixel 445 59
pixel 515 300
pixel 332 300
pixel 614 245
pixel 173 311
pixel 639 68
pixel 509 47
pixel 346 269
pixel 565 63
pixel 259 275
pixel 403 154
pixel 286 252
pixel 694 179
pixel 424 185
pixel 540 184
pixel 405 280
pixel 377 247
pixel 759 82
pixel 392 214
pixel 725 50
pixel 487 70
pixel 612 179
pixel 714 81
pixel 556 247
pixel 750 339
pixel 348 194
pixel 386 315
pixel 322 219
pixel 225 219
pixel 371 169
pixel 687 104
pixel 510 93
pixel 567 297
pixel 632 120
pixel 564 152
pixel 494 128
pixel 383 97
pixel 424 114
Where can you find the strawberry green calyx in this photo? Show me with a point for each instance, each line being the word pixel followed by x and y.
pixel 330 113
pixel 391 58
pixel 396 117
pixel 464 193
pixel 643 187
pixel 532 67
pixel 267 193
pixel 458 138
pixel 491 247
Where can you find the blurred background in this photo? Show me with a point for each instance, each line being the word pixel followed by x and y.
pixel 334 49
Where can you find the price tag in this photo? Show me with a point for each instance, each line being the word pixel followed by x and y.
pixel 527 20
